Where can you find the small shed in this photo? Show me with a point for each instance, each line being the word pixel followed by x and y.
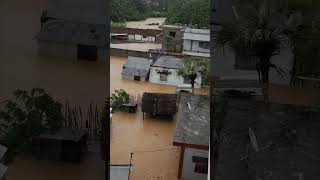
pixel 73 40
pixel 159 104
pixel 193 136
pixel 136 69
pixel 165 71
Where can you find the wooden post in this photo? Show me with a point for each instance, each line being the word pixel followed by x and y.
pixel 181 161
pixel 130 166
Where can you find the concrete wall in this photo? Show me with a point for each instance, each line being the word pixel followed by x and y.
pixel 194 47
pixel 126 53
pixel 102 54
pixel 173 78
pixel 188 166
pixel 224 66
pixel 67 51
pixel 130 77
pixel 58 50
pixel 178 41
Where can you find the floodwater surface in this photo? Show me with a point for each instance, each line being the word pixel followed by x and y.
pixel 64 79
pixel 150 140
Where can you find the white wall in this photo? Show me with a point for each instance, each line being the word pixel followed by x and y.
pixel 173 78
pixel 224 61
pixel 68 51
pixel 188 166
pixel 195 46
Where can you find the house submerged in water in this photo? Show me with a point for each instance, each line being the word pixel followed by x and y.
pixel 165 71
pixel 193 136
pixel 74 29
pixel 136 69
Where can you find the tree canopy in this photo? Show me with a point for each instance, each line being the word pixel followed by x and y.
pixel 128 10
pixel 190 12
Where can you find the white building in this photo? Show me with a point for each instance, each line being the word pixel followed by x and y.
pixel 165 71
pixel 196 43
pixel 233 72
pixel 192 136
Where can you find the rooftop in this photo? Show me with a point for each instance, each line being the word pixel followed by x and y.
pixel 287 140
pixel 88 11
pixel 193 120
pixel 138 63
pixel 169 62
pixel 74 33
pixel 197 34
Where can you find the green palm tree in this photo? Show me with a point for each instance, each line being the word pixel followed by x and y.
pixel 256 32
pixel 190 69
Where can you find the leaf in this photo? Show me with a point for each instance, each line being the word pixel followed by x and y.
pixel 253 139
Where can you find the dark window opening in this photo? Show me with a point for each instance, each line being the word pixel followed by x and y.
pixel 136 78
pixel 186 80
pixel 201 164
pixel 86 52
pixel 163 77
pixel 172 33
pixel 245 62
pixel 204 45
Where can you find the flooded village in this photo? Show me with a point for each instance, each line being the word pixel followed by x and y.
pixel 155 76
pixel 43 53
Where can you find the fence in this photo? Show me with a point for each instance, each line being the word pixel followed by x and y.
pixel 126 53
pixel 76 118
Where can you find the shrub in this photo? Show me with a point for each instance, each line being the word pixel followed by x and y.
pixel 118 98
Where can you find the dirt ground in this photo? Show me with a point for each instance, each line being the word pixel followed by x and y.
pixel 145 24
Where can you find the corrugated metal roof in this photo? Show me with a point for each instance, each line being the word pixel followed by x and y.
pixel 138 63
pixel 74 32
pixel 193 120
pixel 168 62
pixel 134 72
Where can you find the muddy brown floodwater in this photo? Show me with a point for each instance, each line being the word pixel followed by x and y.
pixel 20 67
pixel 130 133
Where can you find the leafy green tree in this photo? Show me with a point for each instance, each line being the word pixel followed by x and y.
pixel 255 33
pixel 118 98
pixel 191 69
pixel 204 65
pixel 128 10
pixel 191 12
pixel 27 115
pixel 168 42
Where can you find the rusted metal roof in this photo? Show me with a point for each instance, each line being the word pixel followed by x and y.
pixel 159 103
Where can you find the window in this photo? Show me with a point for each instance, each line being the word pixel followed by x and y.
pixel 172 33
pixel 163 77
pixel 204 45
pixel 245 62
pixel 201 164
pixel 186 80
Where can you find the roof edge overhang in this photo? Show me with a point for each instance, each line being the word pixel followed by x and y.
pixel 195 146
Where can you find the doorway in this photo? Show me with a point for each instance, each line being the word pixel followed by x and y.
pixel 136 78
pixel 86 52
